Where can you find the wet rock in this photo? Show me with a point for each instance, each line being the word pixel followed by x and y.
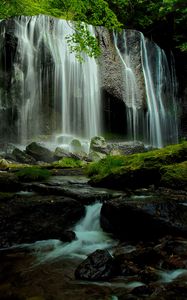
pixel 61 153
pixel 149 274
pixel 98 266
pixel 127 268
pixel 23 157
pixel 98 144
pixel 73 189
pixel 174 246
pixel 76 146
pixel 174 262
pixel 4 165
pixel 96 156
pixel 26 219
pixel 137 259
pixel 126 148
pixel 39 152
pixel 146 220
pixel 172 291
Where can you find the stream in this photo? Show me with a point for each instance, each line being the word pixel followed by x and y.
pixel 44 270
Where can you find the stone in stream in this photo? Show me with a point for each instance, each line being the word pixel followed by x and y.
pixel 99 265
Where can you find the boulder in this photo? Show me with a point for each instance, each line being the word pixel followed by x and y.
pixel 98 144
pixel 4 165
pixel 23 157
pixel 75 146
pixel 142 169
pixel 61 153
pixel 96 156
pixel 126 148
pixel 146 220
pixel 99 265
pixel 39 152
pixel 26 219
pixel 175 176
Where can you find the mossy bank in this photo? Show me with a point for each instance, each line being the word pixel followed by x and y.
pixel 162 167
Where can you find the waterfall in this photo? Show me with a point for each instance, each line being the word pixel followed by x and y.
pixel 160 85
pixel 45 90
pixel 56 93
pixel 131 91
pixel 151 114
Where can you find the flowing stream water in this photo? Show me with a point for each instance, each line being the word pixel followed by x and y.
pixel 89 237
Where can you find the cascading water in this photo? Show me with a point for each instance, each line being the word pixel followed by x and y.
pixel 56 93
pixel 44 90
pixel 131 91
pixel 160 92
pixel 90 237
pixel 151 114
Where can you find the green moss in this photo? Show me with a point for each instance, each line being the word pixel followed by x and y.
pixel 175 175
pixel 105 166
pixel 134 167
pixel 33 174
pixel 68 162
pixel 150 159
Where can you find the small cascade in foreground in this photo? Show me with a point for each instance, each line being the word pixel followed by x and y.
pixel 52 90
pixel 149 90
pixel 90 237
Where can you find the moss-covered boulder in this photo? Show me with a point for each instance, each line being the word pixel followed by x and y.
pixel 175 176
pixel 96 156
pixel 98 144
pixel 4 164
pixel 137 170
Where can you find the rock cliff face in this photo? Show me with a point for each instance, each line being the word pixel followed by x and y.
pixel 113 80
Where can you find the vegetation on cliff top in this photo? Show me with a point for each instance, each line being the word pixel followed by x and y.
pixel 144 15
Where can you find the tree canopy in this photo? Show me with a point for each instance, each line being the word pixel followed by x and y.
pixel 143 15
